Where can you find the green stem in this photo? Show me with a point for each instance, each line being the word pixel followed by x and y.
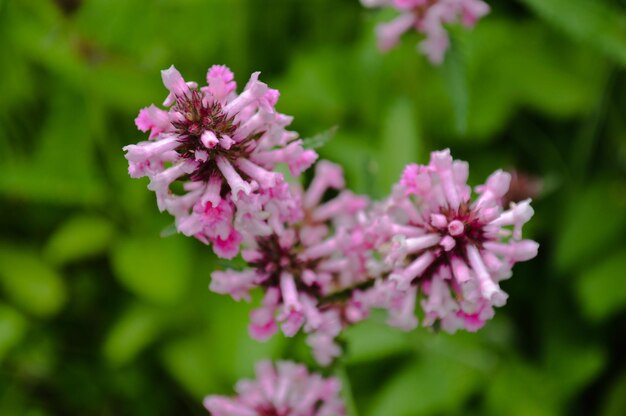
pixel 585 143
pixel 346 388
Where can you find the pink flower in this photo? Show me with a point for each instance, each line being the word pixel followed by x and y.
pixel 452 251
pixel 427 17
pixel 285 389
pixel 223 148
pixel 327 263
pixel 320 249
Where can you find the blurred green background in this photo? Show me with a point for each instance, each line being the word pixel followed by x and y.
pixel 102 315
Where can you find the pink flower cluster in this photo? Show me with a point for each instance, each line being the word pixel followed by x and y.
pixel 302 266
pixel 427 244
pixel 447 250
pixel 210 158
pixel 324 257
pixel 285 389
pixel 427 17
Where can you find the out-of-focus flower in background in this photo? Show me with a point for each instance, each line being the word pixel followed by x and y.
pixel 429 18
pixel 286 389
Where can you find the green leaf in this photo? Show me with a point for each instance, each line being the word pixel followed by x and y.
pixel 192 361
pixel 12 328
pixel 80 237
pixel 356 157
pixel 571 364
pixel 512 64
pixel 594 220
pixel 601 289
pixel 588 21
pixel 518 389
pixel 135 330
pixel 157 270
pixel 371 340
pixel 615 401
pixel 401 142
pixel 314 76
pixel 237 350
pixel 30 283
pixel 61 169
pixel 431 384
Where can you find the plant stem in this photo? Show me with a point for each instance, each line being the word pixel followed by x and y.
pixel 346 388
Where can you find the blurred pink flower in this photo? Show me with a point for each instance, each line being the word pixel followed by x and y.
pixel 427 17
pixel 285 389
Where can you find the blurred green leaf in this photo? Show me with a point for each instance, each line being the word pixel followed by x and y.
pixel 518 389
pixel 192 361
pixel 594 220
pixel 135 330
pixel 231 341
pixel 370 340
pixel 615 400
pixel 80 237
pixel 400 144
pixel 38 357
pixel 512 64
pixel 356 157
pixel 431 384
pixel 572 364
pixel 39 34
pixel 12 329
pixel 601 289
pixel 30 283
pixel 157 270
pixel 589 21
pixel 311 89
pixel 60 166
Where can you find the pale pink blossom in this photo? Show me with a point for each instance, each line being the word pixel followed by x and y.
pixel 222 148
pixel 285 389
pixel 428 246
pixel 316 251
pixel 429 18
pixel 459 250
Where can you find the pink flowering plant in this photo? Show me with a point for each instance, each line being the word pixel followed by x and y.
pixel 434 250
pixel 429 18
pixel 285 388
pixel 221 147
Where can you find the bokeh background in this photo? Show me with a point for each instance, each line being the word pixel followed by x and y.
pixel 105 311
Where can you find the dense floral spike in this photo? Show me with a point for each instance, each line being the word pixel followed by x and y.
pixel 222 147
pixel 427 17
pixel 284 389
pixel 450 251
pixel 302 267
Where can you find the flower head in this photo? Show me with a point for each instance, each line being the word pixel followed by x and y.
pixel 449 250
pixel 222 147
pixel 427 17
pixel 301 266
pixel 284 389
